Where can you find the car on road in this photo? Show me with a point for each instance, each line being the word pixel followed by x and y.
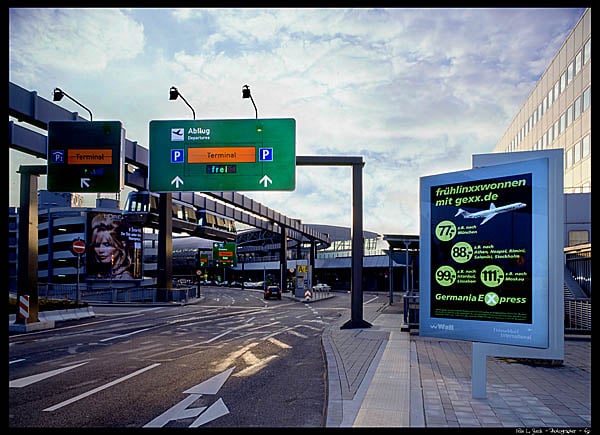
pixel 272 291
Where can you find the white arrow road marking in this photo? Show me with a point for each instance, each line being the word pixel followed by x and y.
pixel 177 411
pixel 102 387
pixel 181 411
pixel 23 382
pixel 84 183
pixel 212 385
pixel 265 180
pixel 177 181
pixel 216 410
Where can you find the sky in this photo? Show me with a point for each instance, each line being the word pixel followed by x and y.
pixel 413 91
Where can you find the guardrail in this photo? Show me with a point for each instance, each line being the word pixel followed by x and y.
pixel 119 295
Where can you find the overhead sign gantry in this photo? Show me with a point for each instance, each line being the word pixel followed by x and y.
pixel 222 155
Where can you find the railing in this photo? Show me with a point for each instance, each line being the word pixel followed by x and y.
pixel 411 310
pixel 578 316
pixel 578 260
pixel 118 295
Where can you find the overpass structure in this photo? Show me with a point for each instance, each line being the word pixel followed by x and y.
pixel 27 106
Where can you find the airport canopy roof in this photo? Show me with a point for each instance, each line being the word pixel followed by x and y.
pixel 402 241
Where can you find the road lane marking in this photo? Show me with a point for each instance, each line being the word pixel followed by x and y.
pixel 124 335
pixel 100 388
pixel 279 343
pixel 246 325
pixel 23 382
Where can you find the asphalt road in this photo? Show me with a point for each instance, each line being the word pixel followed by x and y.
pixel 232 360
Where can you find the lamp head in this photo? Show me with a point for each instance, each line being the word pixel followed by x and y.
pixel 246 92
pixel 58 94
pixel 173 93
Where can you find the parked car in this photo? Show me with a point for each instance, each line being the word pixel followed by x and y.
pixel 252 284
pixel 272 291
pixel 321 287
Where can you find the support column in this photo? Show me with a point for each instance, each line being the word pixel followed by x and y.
pixel 283 258
pixel 164 277
pixel 27 278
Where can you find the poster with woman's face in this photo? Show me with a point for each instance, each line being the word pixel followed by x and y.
pixel 114 247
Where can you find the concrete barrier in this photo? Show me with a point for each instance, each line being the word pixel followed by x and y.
pixel 48 318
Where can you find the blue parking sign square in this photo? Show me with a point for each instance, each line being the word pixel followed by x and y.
pixel 265 154
pixel 177 156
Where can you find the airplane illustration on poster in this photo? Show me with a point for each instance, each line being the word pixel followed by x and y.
pixel 490 213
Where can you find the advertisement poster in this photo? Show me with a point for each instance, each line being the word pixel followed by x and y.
pixel 481 249
pixel 485 254
pixel 114 247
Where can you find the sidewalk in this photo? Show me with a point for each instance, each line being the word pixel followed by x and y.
pixel 384 377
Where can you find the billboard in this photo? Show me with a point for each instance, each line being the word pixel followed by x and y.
pixel 484 275
pixel 114 247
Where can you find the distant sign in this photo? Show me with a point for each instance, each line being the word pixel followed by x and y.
pixel 85 157
pixel 222 155
pixel 224 254
pixel 78 247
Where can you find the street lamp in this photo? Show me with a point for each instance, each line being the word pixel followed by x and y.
pixel 59 94
pixel 246 94
pixel 174 93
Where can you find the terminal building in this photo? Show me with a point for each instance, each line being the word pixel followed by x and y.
pixel 558 111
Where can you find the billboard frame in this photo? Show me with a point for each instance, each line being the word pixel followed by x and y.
pixel 547 189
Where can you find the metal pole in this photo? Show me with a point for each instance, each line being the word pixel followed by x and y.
pixel 406 267
pixel 391 275
pixel 77 296
pixel 356 318
pixel 357 164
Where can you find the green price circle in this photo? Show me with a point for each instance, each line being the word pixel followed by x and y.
pixel 445 231
pixel 445 276
pixel 462 252
pixel 492 276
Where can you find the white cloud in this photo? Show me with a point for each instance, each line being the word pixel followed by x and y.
pixel 72 40
pixel 414 91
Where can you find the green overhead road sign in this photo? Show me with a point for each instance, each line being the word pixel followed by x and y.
pixel 85 157
pixel 224 254
pixel 222 155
